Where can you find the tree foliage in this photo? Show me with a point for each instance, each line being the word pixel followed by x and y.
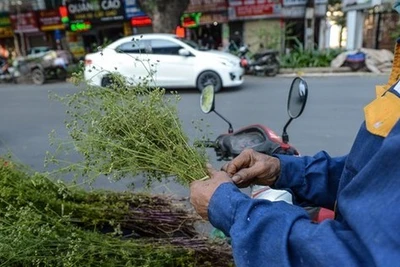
pixel 164 14
pixel 337 15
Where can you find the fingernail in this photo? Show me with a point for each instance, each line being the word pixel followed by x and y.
pixel 236 178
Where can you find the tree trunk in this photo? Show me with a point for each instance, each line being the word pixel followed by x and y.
pixel 165 15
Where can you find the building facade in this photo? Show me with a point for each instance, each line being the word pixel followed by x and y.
pixel 370 23
pixel 83 25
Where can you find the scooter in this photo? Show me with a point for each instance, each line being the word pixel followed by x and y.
pixel 262 139
pixel 264 62
pixel 8 73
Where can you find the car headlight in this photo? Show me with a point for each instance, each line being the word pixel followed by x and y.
pixel 226 62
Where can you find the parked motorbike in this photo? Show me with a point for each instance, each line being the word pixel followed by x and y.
pixel 262 139
pixel 264 62
pixel 8 73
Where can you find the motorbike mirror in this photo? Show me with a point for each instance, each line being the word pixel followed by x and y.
pixel 207 99
pixel 297 97
pixel 207 103
pixel 296 102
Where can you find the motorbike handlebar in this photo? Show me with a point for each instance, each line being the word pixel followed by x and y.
pixel 205 143
pixel 257 137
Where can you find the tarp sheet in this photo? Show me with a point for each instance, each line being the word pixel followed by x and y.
pixel 376 60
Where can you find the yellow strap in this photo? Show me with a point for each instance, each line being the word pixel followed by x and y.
pixel 380 89
pixel 394 74
pixel 382 114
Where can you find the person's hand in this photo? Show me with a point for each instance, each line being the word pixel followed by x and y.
pixel 202 191
pixel 252 167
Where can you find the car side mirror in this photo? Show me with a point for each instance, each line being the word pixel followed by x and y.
pixel 184 52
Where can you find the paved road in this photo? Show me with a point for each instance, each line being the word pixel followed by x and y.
pixel 330 120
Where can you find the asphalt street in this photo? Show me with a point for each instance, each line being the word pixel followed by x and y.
pixel 330 121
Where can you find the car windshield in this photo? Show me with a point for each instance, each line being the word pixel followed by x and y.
pixel 40 49
pixel 192 44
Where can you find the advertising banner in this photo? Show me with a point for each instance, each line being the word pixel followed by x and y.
pixel 96 11
pixel 24 22
pixel 241 9
pixel 5 26
pixel 207 6
pixel 302 2
pixel 50 20
pixel 132 9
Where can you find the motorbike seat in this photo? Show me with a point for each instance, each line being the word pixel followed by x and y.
pixel 264 53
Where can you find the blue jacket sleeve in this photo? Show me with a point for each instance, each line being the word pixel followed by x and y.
pixel 265 233
pixel 313 180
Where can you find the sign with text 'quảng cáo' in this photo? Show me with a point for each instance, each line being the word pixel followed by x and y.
pixel 96 11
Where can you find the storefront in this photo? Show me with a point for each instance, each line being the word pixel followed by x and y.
pixel 258 22
pixel 6 32
pixel 27 32
pixel 206 23
pixel 50 23
pixel 137 21
pixel 96 22
pixel 294 13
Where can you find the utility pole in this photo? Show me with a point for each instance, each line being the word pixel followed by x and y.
pixel 309 25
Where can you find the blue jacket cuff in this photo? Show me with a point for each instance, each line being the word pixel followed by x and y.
pixel 222 206
pixel 292 172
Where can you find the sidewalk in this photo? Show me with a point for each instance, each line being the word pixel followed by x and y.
pixel 327 71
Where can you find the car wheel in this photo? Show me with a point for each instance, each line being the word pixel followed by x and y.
pixel 112 82
pixel 207 78
pixel 38 77
pixel 61 74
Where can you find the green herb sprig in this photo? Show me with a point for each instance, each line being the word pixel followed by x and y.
pixel 124 130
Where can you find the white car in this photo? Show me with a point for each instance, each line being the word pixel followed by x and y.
pixel 164 60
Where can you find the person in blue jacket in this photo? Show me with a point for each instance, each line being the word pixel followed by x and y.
pixel 363 188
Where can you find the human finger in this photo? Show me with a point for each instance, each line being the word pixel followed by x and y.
pixel 243 160
pixel 210 170
pixel 246 175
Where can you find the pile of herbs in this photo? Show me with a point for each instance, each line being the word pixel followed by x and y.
pixel 48 223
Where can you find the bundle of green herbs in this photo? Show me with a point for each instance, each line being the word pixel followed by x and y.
pixel 140 215
pixel 47 223
pixel 123 130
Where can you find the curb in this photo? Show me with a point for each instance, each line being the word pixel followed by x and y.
pixel 315 70
pixel 327 71
pixel 337 74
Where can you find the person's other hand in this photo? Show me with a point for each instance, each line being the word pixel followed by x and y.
pixel 252 167
pixel 202 191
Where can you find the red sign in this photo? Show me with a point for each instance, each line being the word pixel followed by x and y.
pixel 206 5
pixel 141 21
pixel 50 20
pixel 254 8
pixel 24 22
